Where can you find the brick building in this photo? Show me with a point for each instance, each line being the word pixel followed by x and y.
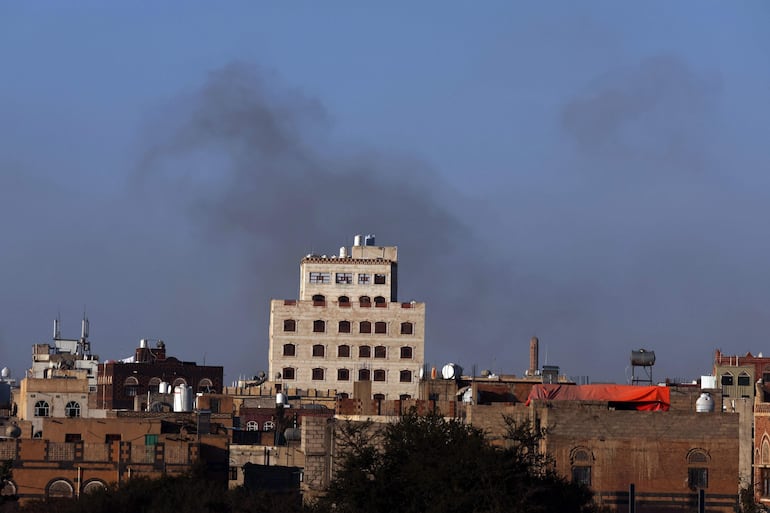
pixel 667 455
pixel 348 326
pixel 78 455
pixel 125 385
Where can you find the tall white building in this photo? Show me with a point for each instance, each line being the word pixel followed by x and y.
pixel 349 326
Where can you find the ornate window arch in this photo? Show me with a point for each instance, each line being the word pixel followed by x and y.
pixel 42 409
pixel 60 488
pixel 581 460
pixel 252 425
pixel 72 409
pixel 765 454
pixel 698 461
pixel 93 485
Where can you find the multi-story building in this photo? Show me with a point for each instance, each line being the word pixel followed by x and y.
pixel 130 383
pixel 348 326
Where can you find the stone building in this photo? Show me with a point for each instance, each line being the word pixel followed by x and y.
pixel 348 326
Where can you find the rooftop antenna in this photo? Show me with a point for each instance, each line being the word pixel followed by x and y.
pixel 83 344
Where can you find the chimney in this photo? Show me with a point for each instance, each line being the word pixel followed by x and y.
pixel 533 356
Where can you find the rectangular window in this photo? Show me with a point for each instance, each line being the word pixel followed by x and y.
pixel 320 278
pixel 111 437
pixel 727 379
pixel 345 278
pixel 233 473
pixel 150 439
pixel 363 279
pixel 379 279
pixel 698 477
pixel 72 437
pixel 744 380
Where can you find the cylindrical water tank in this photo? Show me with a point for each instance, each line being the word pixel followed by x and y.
pixel 357 240
pixel 143 343
pixel 642 357
pixel 281 398
pixel 343 252
pixel 187 398
pixel 369 240
pixel 704 404
pixel 178 398
pixel 164 387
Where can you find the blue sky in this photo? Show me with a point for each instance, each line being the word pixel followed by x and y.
pixel 594 173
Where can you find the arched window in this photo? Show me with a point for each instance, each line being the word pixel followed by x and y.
pixel 379 397
pixel 42 409
pixel 765 460
pixel 289 325
pixel 405 376
pixel 343 301
pixel 318 374
pixel 363 374
pixel 697 469
pixel 343 351
pixel 364 301
pixel 60 489
pixel 364 352
pixel 268 425
pixel 380 352
pixel 727 379
pixel 380 301
pixel 379 375
pixel 407 328
pixel 404 397
pixel 131 386
pixel 343 375
pixel 289 350
pixel 252 425
pixel 287 373
pixel 72 409
pixel 154 385
pixel 744 379
pixel 365 327
pixel 319 300
pixel 319 326
pixel 344 327
pixel 582 461
pixel 179 381
pixel 318 350
pixel 205 385
pixel 94 485
pixel 406 352
pixel 380 327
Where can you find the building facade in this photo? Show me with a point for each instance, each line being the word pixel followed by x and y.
pixel 348 326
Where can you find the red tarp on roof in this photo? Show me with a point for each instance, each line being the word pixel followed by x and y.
pixel 639 398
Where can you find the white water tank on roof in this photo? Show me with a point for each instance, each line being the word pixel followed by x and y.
pixel 704 404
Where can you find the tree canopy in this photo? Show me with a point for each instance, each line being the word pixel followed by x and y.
pixel 430 464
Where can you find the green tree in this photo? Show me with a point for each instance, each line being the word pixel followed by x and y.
pixel 429 464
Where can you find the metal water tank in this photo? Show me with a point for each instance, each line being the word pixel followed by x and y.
pixel 164 387
pixel 369 240
pixel 642 358
pixel 178 398
pixel 357 240
pixel 281 398
pixel 704 404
